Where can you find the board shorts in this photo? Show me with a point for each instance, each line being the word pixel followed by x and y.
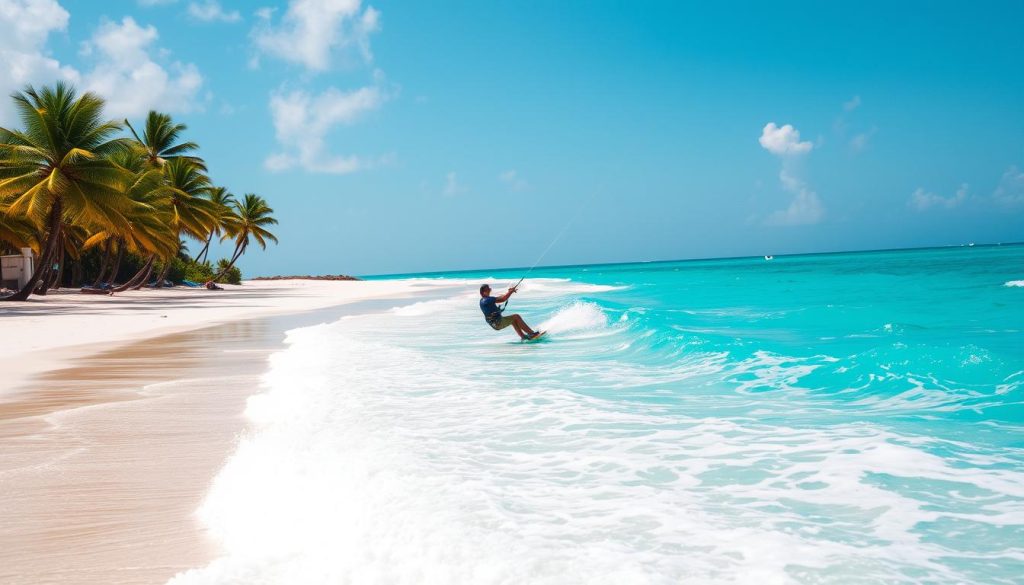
pixel 499 324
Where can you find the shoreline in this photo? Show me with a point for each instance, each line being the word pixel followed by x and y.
pixel 107 451
pixel 64 325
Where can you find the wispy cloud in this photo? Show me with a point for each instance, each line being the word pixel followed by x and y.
pixel 805 207
pixel 1010 192
pixel 315 33
pixel 513 181
pixel 861 137
pixel 302 121
pixel 212 11
pixel 860 140
pixel 452 187
pixel 922 200
pixel 1008 195
pixel 128 76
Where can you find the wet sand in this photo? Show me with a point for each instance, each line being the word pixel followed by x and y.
pixel 104 462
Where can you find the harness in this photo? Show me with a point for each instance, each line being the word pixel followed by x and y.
pixel 494 317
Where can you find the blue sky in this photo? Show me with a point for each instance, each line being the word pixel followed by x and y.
pixel 413 136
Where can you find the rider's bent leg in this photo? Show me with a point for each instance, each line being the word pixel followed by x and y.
pixel 518 322
pixel 519 330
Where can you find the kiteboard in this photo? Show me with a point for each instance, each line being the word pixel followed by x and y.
pixel 540 335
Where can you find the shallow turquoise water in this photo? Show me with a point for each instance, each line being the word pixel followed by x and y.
pixel 922 335
pixel 834 418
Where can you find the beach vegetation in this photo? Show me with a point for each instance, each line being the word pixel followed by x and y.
pixel 228 273
pixel 252 217
pixel 117 205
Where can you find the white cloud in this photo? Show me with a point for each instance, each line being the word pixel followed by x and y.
pixel 313 32
pixel 302 121
pixel 1010 191
pixel 852 105
pixel 452 187
pixel 922 200
pixel 783 141
pixel 129 79
pixel 210 11
pixel 26 26
pixel 513 181
pixel 804 209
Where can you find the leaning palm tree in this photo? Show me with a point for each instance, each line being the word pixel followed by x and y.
pixel 159 141
pixel 149 231
pixel 192 214
pixel 224 201
pixel 186 186
pixel 57 167
pixel 252 214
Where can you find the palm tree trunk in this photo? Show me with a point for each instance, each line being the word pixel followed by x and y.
pixel 145 278
pixel 104 263
pixel 163 273
pixel 117 263
pixel 135 279
pixel 44 279
pixel 76 273
pixel 50 278
pixel 47 256
pixel 58 279
pixel 167 267
pixel 205 248
pixel 239 250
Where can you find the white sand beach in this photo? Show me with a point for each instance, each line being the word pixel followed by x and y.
pixel 66 323
pixel 116 412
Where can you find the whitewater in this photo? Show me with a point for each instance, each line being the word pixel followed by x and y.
pixel 844 418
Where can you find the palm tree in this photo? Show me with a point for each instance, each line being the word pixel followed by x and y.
pixel 159 139
pixel 224 201
pixel 192 214
pixel 149 232
pixel 57 167
pixel 252 214
pixel 73 236
pixel 16 232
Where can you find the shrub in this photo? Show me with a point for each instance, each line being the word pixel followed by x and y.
pixel 187 270
pixel 198 272
pixel 232 276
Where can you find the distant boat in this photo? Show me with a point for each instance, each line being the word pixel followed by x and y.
pixel 971 244
pixel 769 257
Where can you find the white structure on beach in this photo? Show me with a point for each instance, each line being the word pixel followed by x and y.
pixel 15 270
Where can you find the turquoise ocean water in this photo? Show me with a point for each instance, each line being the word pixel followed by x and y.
pixel 840 418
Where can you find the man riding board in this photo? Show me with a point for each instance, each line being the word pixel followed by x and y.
pixel 492 313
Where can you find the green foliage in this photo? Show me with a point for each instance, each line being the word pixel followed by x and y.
pixel 233 274
pixel 72 188
pixel 198 271
pixel 187 270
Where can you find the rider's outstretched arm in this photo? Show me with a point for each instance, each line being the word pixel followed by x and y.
pixel 505 296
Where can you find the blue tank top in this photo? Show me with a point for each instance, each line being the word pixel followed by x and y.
pixel 489 305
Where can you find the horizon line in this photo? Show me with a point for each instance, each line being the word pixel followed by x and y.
pixel 702 259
